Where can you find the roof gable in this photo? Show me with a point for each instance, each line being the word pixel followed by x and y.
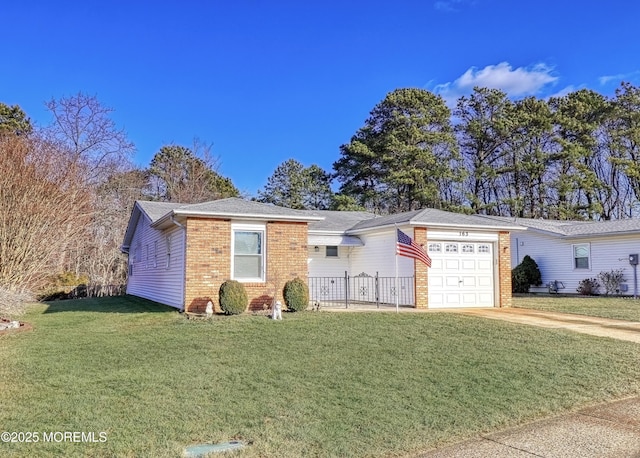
pixel 156 210
pixel 144 209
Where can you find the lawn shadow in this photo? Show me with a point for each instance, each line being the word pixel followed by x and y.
pixel 116 304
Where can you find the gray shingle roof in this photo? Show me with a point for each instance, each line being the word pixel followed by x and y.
pixel 232 206
pixel 603 228
pixel 579 228
pixel 338 221
pixel 319 221
pixel 237 206
pixel 156 210
pixel 435 218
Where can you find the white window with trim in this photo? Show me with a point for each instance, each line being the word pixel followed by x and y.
pixel 155 254
pixel 435 248
pixel 248 256
pixel 581 256
pixel 451 248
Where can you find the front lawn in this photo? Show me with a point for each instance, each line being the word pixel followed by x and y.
pixel 606 307
pixel 314 384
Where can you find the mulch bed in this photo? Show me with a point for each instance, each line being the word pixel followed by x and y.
pixel 23 327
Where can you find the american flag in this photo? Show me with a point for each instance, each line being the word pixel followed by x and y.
pixel 407 247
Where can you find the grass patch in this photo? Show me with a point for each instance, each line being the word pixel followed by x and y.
pixel 315 384
pixel 606 307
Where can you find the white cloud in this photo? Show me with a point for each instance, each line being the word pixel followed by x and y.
pixel 447 6
pixel 519 82
pixel 451 6
pixel 604 80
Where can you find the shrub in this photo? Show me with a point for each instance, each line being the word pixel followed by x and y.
pixel 519 282
pixel 12 302
pixel 612 280
pixel 588 286
pixel 296 295
pixel 233 297
pixel 65 285
pixel 524 275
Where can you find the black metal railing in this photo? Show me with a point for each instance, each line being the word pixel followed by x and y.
pixel 361 289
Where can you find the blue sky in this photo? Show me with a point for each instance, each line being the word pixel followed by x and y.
pixel 265 81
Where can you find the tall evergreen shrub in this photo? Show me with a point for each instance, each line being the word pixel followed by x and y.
pixel 524 275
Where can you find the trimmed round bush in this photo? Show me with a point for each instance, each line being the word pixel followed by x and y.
pixel 233 297
pixel 296 295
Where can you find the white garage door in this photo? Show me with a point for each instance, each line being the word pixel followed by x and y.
pixel 461 274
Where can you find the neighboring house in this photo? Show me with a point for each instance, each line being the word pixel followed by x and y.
pixel 570 251
pixel 179 255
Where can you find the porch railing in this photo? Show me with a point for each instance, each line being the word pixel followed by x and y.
pixel 361 289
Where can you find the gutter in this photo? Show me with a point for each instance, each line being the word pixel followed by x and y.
pixel 437 226
pixel 173 220
pixel 246 216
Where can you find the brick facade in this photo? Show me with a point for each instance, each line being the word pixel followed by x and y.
pixel 208 261
pixel 421 277
pixel 286 259
pixel 504 269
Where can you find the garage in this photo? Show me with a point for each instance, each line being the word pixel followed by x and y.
pixel 470 263
pixel 461 274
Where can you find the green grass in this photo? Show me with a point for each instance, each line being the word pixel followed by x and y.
pixel 605 307
pixel 315 384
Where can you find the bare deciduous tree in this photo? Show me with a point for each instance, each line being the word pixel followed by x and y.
pixel 112 201
pixel 83 127
pixel 88 139
pixel 44 207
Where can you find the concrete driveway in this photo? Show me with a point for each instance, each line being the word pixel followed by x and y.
pixel 609 430
pixel 603 327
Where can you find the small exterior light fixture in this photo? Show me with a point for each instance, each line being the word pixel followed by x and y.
pixel 316 249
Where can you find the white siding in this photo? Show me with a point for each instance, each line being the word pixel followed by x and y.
pixel 149 275
pixel 328 272
pixel 323 266
pixel 379 255
pixel 554 256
